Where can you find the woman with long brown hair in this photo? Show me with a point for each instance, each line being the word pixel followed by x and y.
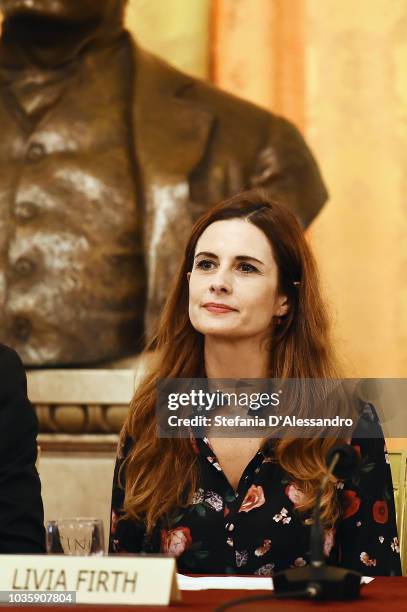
pixel 246 304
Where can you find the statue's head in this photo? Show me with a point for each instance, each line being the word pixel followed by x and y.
pixel 73 10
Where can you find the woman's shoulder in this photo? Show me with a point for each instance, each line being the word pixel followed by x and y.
pixel 367 425
pixel 369 441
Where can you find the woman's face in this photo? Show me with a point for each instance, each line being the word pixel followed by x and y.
pixel 233 283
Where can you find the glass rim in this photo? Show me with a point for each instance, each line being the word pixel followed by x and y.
pixel 79 519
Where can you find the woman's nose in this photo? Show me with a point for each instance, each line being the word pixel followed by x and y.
pixel 220 284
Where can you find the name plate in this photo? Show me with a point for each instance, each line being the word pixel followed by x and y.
pixel 139 579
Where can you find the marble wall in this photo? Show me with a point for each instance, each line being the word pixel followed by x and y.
pixel 338 70
pixel 356 111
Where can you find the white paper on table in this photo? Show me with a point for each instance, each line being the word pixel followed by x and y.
pixel 191 583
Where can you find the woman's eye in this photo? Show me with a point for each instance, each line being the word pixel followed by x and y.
pixel 247 268
pixel 204 264
pixel 207 264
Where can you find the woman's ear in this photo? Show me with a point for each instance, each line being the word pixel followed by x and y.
pixel 188 275
pixel 282 306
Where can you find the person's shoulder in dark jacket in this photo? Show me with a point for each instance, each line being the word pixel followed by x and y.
pixel 21 509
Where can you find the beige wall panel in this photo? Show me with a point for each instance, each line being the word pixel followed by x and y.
pixel 177 30
pixel 242 46
pixel 356 123
pixel 337 69
pixel 289 71
pixel 258 52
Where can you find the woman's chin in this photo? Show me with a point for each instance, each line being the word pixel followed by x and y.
pixel 221 331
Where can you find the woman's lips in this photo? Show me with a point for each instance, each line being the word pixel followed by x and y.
pixel 219 308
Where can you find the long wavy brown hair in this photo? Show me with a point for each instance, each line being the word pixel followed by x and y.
pixel 162 473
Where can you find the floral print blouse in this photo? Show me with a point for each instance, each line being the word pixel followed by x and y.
pixel 257 529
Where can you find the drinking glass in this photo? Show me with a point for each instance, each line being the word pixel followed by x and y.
pixel 75 536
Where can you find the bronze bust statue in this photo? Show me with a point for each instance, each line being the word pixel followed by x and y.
pixel 108 155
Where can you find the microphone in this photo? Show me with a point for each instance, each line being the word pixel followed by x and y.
pixel 318 580
pixel 347 460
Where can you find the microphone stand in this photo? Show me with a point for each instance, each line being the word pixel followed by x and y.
pixel 318 580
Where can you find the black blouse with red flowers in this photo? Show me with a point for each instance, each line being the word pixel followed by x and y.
pixel 257 529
